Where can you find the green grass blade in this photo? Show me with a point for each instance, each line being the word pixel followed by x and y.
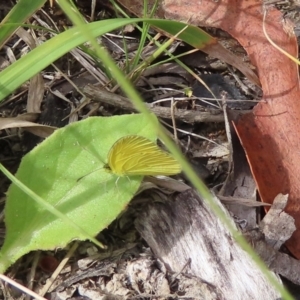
pixel 36 60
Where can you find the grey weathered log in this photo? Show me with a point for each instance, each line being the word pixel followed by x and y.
pixel 185 229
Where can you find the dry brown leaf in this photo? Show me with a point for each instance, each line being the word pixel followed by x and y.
pixel 36 87
pixel 22 122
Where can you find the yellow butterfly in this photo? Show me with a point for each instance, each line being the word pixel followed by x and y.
pixel 137 155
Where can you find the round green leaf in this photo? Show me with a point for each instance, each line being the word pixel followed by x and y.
pixel 66 170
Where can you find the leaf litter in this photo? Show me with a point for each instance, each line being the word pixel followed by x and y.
pixel 267 113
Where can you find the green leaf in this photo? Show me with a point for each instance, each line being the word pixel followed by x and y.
pixel 59 171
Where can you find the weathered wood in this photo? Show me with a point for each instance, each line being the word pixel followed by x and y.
pixel 188 116
pixel 184 229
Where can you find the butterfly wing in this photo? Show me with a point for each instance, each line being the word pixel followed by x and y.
pixel 137 155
